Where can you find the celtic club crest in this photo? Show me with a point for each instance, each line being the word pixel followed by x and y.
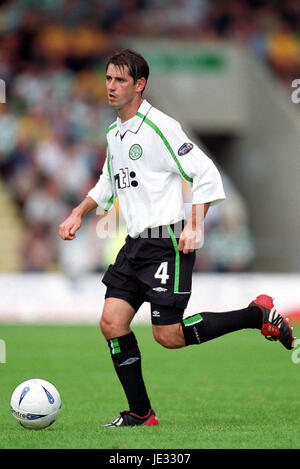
pixel 135 152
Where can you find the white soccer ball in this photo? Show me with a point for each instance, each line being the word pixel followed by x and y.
pixel 35 404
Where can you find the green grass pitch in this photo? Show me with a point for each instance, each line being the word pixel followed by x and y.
pixel 237 391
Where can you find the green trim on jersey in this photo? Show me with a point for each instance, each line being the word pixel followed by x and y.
pixel 161 135
pixel 111 200
pixel 177 260
pixel 109 204
pixel 111 127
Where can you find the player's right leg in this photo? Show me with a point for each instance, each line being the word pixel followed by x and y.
pixel 115 326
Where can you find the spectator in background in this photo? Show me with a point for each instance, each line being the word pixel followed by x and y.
pixel 9 124
pixel 228 245
pixel 38 250
pixel 74 172
pixel 48 156
pixel 283 53
pixel 42 210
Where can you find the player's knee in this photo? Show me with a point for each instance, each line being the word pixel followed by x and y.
pixel 112 326
pixel 116 318
pixel 168 336
pixel 165 342
pixel 105 326
pixel 108 325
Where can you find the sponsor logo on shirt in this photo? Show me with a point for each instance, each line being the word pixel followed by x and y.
pixel 135 152
pixel 125 178
pixel 185 148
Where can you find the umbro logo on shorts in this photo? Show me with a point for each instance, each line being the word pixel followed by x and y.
pixel 160 289
pixel 155 314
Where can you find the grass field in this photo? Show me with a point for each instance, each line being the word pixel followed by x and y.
pixel 238 391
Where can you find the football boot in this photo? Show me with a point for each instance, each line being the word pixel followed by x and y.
pixel 274 326
pixel 129 419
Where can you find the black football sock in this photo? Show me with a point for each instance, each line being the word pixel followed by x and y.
pixel 207 326
pixel 126 358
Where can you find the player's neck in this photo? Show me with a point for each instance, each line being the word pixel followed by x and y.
pixel 130 110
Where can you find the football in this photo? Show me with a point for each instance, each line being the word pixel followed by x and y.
pixel 35 404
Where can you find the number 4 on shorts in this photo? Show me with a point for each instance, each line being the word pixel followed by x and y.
pixel 162 272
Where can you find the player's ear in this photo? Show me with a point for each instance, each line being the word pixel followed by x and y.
pixel 140 84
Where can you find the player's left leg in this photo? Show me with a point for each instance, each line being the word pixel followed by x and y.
pixel 260 314
pixel 168 282
pixel 202 327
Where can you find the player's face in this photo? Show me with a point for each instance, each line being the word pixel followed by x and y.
pixel 121 89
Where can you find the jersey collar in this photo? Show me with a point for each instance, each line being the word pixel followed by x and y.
pixel 135 122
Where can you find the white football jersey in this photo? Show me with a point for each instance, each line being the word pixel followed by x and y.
pixel 147 158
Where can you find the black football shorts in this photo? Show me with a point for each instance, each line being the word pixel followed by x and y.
pixel 151 268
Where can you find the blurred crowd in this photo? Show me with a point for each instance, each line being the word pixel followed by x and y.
pixel 52 127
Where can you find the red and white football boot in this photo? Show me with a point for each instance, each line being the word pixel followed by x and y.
pixel 274 326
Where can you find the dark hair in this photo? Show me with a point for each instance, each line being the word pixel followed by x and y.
pixel 137 65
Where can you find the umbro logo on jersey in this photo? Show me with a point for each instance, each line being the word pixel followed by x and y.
pixel 160 289
pixel 185 148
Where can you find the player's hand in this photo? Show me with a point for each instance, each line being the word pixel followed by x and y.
pixel 190 240
pixel 68 228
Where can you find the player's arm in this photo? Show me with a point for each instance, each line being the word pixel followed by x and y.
pixel 192 235
pixel 68 228
pixel 200 172
pixel 186 159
